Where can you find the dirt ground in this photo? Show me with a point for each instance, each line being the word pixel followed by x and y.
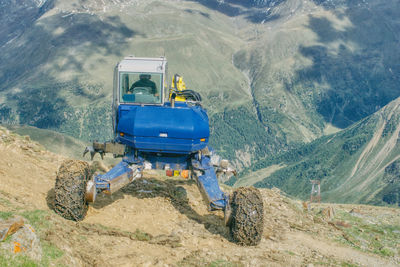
pixel 160 221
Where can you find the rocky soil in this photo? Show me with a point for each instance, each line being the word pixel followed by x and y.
pixel 160 221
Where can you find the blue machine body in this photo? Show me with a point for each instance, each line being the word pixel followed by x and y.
pixel 182 129
pixel 157 132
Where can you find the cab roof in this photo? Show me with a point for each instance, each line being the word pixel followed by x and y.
pixel 142 64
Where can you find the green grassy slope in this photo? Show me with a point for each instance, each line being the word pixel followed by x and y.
pixel 60 76
pixel 53 141
pixel 359 164
pixel 59 69
pixel 273 74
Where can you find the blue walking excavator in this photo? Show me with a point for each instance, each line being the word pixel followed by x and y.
pixel 156 127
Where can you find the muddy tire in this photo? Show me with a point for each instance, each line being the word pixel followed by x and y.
pixel 247 216
pixel 70 190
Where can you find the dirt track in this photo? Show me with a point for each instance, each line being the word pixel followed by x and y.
pixel 161 222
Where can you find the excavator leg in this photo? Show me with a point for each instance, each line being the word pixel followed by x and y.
pixel 243 210
pixel 208 183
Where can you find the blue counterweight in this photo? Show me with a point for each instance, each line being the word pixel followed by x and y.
pixel 182 129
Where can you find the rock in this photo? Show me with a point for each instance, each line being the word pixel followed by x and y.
pixel 24 240
pixel 9 227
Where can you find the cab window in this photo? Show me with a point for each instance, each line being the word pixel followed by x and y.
pixel 140 88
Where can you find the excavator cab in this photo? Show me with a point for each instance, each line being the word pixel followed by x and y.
pixel 139 81
pixel 140 88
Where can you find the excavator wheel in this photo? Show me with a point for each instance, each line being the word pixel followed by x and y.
pixel 70 188
pixel 246 221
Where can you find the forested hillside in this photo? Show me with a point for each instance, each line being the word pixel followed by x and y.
pixel 359 164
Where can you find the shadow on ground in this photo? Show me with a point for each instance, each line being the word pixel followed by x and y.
pixel 170 189
pixel 253 11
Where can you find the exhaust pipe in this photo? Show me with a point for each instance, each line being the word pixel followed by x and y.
pixel 173 100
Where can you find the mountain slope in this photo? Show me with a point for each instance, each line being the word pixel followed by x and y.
pixel 274 74
pixel 327 62
pixel 53 141
pixel 65 59
pixel 359 164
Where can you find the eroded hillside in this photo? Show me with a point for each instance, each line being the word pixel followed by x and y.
pixel 160 221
